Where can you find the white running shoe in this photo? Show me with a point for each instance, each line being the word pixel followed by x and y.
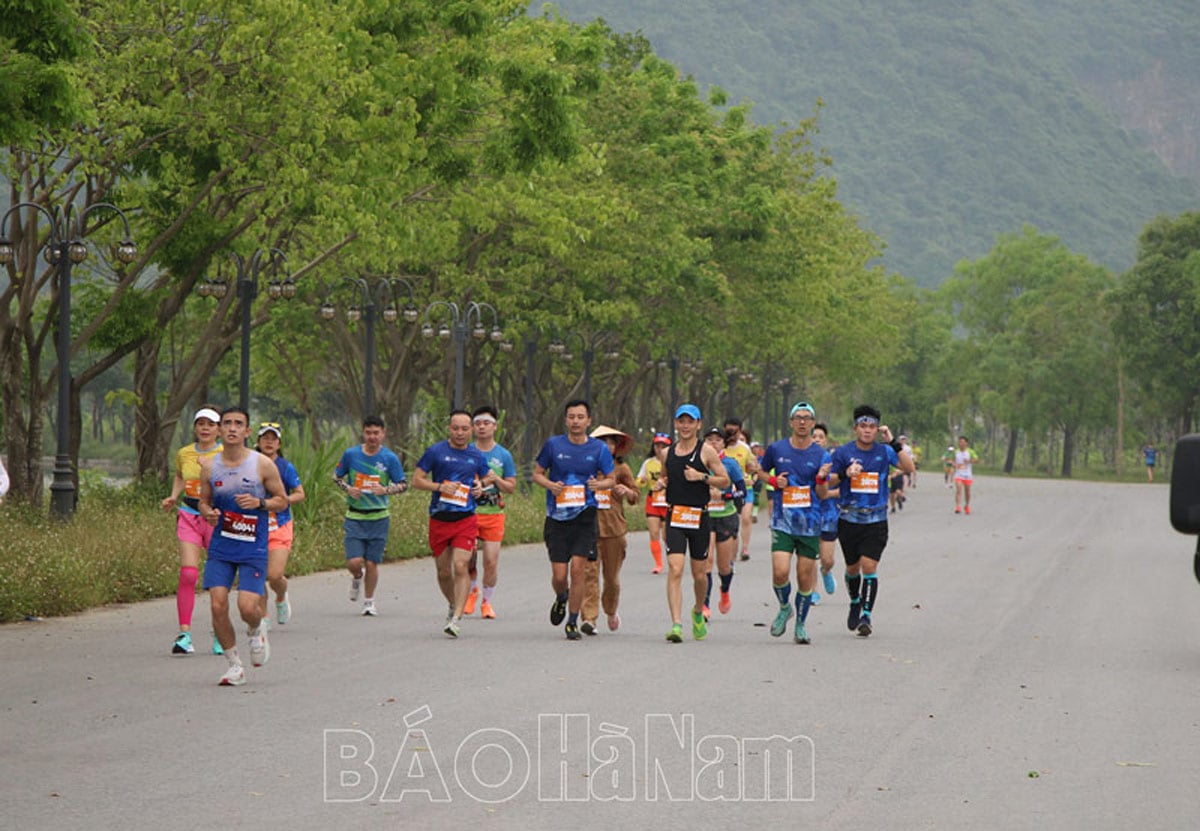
pixel 283 611
pixel 235 676
pixel 369 609
pixel 260 647
pixel 451 628
pixel 355 588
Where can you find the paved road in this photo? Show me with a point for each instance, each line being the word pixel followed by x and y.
pixel 1035 665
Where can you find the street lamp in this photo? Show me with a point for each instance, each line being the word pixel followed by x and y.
pixel 384 296
pixel 64 248
pixel 587 346
pixel 457 326
pixel 247 290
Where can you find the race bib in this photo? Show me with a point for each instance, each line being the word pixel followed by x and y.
pixel 572 496
pixel 797 496
pixel 686 517
pixel 239 527
pixel 459 498
pixel 272 523
pixel 604 500
pixel 363 481
pixel 865 482
pixel 658 499
pixel 191 487
pixel 716 503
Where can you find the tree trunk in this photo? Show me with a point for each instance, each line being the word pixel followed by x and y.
pixel 152 457
pixel 1068 450
pixel 1010 458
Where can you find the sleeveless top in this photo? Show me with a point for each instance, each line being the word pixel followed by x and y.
pixel 240 535
pixel 679 490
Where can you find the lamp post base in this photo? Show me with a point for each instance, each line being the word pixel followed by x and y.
pixel 62 490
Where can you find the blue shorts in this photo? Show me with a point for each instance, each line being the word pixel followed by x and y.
pixel 251 577
pixel 366 538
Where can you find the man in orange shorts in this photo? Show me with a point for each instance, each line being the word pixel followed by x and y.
pixel 489 510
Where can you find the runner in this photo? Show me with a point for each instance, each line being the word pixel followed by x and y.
pixel 368 473
pixel 691 468
pixel 964 460
pixel 860 471
pixel 279 525
pixel 238 487
pixel 829 522
pixel 1150 457
pixel 191 530
pixel 611 528
pixel 948 467
pixel 4 492
pixel 741 452
pixel 656 497
pixel 724 507
pixel 801 481
pixel 453 471
pixel 489 509
pixel 571 467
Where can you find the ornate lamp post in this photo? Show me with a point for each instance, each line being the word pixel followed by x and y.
pixel 457 326
pixel 247 290
pixel 64 247
pixel 383 295
pixel 587 346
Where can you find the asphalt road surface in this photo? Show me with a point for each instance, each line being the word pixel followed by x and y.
pixel 1034 665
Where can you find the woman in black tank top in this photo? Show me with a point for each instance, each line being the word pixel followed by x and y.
pixel 679 490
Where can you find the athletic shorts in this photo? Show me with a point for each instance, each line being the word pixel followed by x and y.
pixel 860 541
pixel 691 541
pixel 366 538
pixel 830 536
pixel 281 537
pixel 193 528
pixel 966 480
pixel 807 547
pixel 571 537
pixel 460 534
pixel 491 527
pixel 251 577
pixel 898 482
pixel 659 511
pixel 726 527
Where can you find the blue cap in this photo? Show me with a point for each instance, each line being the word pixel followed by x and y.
pixel 688 410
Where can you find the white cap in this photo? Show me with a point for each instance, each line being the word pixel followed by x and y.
pixel 209 413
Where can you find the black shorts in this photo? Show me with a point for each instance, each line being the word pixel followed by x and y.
pixel 692 541
pixel 571 537
pixel 726 527
pixel 860 541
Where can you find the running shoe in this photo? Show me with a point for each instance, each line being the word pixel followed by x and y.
pixel 864 626
pixel 855 614
pixel 957 509
pixel 472 599
pixel 235 676
pixel 217 649
pixel 816 598
pixel 486 611
pixel 779 625
pixel 676 634
pixel 369 609
pixel 725 604
pixel 967 509
pixel 587 627
pixel 699 626
pixel 451 628
pixel 614 622
pixel 558 612
pixel 745 556
pixel 801 635
pixel 572 632
pixel 283 610
pixel 656 570
pixel 355 588
pixel 260 647
pixel 707 612
pixel 830 582
pixel 183 644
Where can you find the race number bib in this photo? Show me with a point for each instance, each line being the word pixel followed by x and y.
pixel 658 499
pixel 604 500
pixel 797 496
pixel 716 503
pixel 191 487
pixel 239 527
pixel 459 498
pixel 686 517
pixel 363 481
pixel 272 523
pixel 572 496
pixel 865 482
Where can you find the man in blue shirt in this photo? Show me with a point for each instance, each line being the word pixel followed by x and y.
pixel 860 469
pixel 572 467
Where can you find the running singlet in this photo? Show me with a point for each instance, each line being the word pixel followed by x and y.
pixel 728 503
pixel 572 464
pixel 500 461
pixel 187 462
pixel 962 464
pixel 361 470
pixel 863 499
pixel 291 481
pixel 240 536
pixel 679 490
pixel 444 463
pixel 795 508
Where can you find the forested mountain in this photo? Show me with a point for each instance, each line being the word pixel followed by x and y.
pixel 952 121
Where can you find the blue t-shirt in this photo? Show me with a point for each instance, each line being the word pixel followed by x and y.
pixel 360 469
pixel 795 509
pixel 1151 456
pixel 864 501
pixel 500 462
pixel 291 481
pixel 573 464
pixel 446 463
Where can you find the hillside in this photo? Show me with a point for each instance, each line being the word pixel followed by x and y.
pixel 952 122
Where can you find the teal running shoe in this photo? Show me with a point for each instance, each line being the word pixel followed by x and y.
pixel 781 620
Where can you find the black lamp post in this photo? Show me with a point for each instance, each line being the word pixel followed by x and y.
pixel 587 346
pixel 383 295
pixel 64 248
pixel 247 290
pixel 459 323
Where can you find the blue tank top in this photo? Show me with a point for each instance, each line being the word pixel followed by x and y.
pixel 240 535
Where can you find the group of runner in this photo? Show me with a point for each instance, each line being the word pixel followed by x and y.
pixel 698 489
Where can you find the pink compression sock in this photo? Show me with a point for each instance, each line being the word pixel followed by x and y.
pixel 185 595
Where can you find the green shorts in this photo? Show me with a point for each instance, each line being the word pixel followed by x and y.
pixel 809 547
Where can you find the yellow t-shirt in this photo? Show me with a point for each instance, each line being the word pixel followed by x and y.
pixel 744 456
pixel 187 462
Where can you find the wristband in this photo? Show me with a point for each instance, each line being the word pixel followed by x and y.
pixel 821 480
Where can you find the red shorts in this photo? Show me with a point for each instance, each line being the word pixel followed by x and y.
pixel 655 510
pixel 491 527
pixel 460 534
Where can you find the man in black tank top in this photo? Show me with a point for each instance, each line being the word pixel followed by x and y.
pixel 690 469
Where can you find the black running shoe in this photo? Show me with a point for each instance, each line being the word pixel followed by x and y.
pixel 572 632
pixel 558 612
pixel 855 614
pixel 587 628
pixel 864 626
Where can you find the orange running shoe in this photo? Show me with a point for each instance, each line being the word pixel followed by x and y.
pixel 486 611
pixel 967 509
pixel 725 603
pixel 469 608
